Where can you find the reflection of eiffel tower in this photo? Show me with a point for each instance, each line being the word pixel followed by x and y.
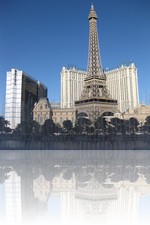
pixel 95 201
pixel 95 98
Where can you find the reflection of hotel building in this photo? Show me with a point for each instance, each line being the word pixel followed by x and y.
pixel 13 199
pixel 64 190
pixel 121 82
pixel 93 203
pixel 85 187
pixel 22 92
pixel 86 203
pixel 41 188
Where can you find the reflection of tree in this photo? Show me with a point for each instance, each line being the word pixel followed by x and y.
pixel 84 169
pixel 85 177
pixel 67 174
pixel 100 176
pixel 147 175
pixel 91 176
pixel 4 174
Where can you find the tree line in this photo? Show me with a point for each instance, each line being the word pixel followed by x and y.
pixel 82 126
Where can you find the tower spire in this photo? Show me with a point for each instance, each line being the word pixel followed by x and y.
pixel 95 97
pixel 92 13
pixel 94 59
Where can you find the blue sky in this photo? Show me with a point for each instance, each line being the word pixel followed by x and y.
pixel 41 36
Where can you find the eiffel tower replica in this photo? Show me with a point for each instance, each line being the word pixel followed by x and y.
pixel 95 99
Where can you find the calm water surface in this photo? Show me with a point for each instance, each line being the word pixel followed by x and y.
pixel 88 187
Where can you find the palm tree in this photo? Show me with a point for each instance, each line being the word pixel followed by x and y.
pixel 23 129
pixel 118 124
pixel 146 127
pixel 67 124
pixel 82 125
pixel 100 124
pixel 133 125
pixel 58 128
pixel 147 120
pixel 48 128
pixel 7 130
pixel 3 125
pixel 35 129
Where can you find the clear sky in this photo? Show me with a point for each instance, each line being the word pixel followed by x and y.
pixel 41 36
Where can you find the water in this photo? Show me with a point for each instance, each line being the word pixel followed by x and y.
pixel 74 187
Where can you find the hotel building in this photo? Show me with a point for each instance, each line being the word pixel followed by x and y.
pixel 42 111
pixel 22 91
pixel 72 81
pixel 122 84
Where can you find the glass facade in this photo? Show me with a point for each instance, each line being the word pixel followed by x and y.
pixel 22 91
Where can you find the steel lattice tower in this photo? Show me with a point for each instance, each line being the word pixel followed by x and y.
pixel 95 98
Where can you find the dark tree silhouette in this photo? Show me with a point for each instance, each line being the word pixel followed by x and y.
pixel 27 129
pixel 35 128
pixel 116 122
pixel 82 125
pixel 48 127
pixel 147 120
pixel 67 125
pixel 4 125
pixel 133 125
pixel 22 129
pixel 58 128
pixel 146 126
pixel 101 124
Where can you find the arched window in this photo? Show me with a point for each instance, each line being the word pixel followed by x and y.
pixel 82 114
pixel 108 114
